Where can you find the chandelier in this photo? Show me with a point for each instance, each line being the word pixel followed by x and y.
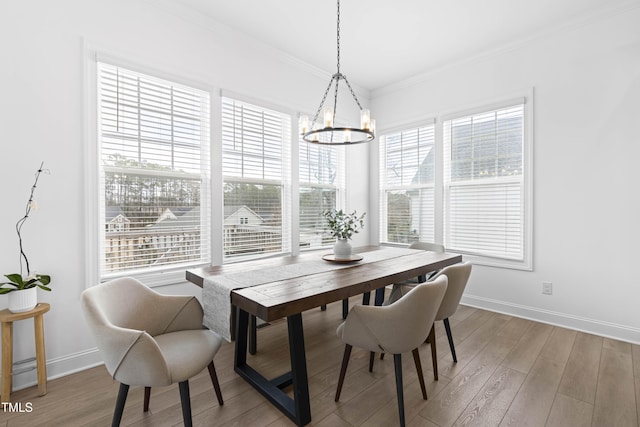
pixel 325 132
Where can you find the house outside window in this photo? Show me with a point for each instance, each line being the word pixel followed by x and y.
pixel 153 138
pixel 257 195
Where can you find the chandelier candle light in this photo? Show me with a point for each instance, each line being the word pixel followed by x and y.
pixel 326 133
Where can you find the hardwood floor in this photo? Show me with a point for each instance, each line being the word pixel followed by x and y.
pixel 510 372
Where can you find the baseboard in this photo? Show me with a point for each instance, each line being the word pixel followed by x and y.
pixel 57 367
pixel 582 324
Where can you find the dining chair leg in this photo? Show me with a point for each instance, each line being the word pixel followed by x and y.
pixel 343 369
pixel 147 396
pixel 120 401
pixel 434 354
pixel 185 399
pixel 216 384
pixel 345 308
pixel 372 357
pixel 416 360
pixel 397 361
pixel 447 327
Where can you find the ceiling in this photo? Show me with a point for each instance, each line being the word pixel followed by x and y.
pixel 383 42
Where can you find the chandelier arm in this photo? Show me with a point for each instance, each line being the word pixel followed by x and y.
pixel 335 102
pixel 335 105
pixel 324 98
pixel 352 92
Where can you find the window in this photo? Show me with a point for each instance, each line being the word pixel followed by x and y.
pixel 475 196
pixel 255 163
pixel 485 195
pixel 153 138
pixel 407 185
pixel 321 187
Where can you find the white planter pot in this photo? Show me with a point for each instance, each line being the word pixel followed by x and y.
pixel 342 249
pixel 21 301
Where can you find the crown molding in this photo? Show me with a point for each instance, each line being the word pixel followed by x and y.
pixel 577 22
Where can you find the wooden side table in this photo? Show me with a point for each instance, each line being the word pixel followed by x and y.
pixel 6 319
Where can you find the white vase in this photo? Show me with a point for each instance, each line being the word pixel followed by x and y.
pixel 24 300
pixel 342 249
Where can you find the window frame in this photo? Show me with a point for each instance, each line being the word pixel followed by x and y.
pixel 287 200
pixel 338 186
pixel 384 188
pixel 94 189
pixel 526 99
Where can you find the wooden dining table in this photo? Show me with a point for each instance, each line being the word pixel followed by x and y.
pixel 291 297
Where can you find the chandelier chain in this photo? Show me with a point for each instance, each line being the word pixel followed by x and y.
pixel 338 37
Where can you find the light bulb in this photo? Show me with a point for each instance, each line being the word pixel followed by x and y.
pixel 328 117
pixel 365 119
pixel 303 124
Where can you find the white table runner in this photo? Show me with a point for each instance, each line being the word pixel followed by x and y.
pixel 216 291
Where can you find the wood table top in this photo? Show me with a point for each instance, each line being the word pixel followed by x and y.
pixel 282 298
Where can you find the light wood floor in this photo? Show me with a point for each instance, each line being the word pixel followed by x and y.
pixel 510 372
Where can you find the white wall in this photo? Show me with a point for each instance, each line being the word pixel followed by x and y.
pixel 586 80
pixel 42 117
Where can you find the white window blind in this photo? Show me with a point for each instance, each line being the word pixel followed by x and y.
pixel 321 186
pixel 484 185
pixel 255 163
pixel 154 173
pixel 407 185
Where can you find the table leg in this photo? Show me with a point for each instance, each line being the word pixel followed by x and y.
pixel 366 297
pixel 253 334
pixel 299 369
pixel 7 360
pixel 241 329
pixel 41 360
pixel 297 409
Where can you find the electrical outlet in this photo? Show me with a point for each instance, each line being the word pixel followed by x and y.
pixel 547 288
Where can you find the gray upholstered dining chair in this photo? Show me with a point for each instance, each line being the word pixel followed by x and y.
pixel 458 276
pixel 402 288
pixel 149 339
pixel 398 328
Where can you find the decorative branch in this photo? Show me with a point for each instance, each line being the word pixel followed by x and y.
pixel 31 204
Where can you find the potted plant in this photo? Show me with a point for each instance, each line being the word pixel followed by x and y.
pixel 342 226
pixel 21 290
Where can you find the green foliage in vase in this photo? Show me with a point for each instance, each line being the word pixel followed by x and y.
pixel 343 225
pixel 17 283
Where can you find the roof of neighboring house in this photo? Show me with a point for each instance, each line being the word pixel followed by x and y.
pixel 230 210
pixel 177 218
pixel 112 212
